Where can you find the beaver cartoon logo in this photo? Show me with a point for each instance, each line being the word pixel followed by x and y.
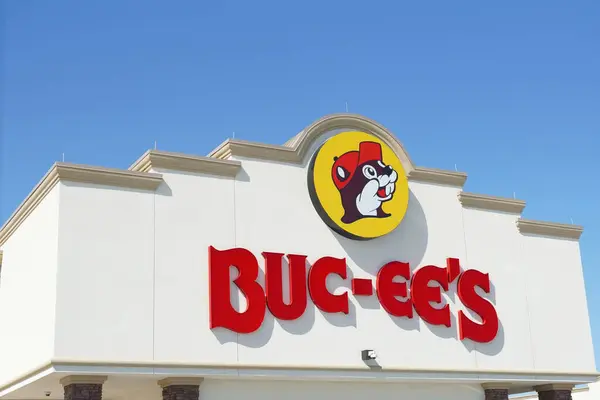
pixel 364 182
pixel 358 186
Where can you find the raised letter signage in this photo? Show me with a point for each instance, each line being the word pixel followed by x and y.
pixel 420 298
pixel 359 188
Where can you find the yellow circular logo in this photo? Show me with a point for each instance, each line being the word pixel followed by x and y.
pixel 358 185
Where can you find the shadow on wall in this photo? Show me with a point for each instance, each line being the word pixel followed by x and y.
pixel 494 347
pixel 407 243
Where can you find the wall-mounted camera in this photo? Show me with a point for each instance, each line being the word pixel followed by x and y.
pixel 368 355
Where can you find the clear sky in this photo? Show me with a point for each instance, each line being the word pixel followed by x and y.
pixel 507 91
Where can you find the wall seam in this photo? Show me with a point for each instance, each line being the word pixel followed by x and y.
pixel 462 218
pixel 527 307
pixel 154 277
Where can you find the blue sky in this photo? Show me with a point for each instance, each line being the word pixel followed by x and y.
pixel 508 91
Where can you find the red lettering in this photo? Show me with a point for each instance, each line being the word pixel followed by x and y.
pixel 387 289
pixel 317 285
pixel 453 267
pixel 422 294
pixel 362 287
pixel 222 313
pixel 274 285
pixel 467 329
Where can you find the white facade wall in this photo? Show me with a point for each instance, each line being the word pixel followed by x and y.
pixel 143 257
pixel 104 304
pixel 28 291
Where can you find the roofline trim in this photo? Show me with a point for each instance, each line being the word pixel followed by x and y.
pixel 68 172
pixel 491 203
pixel 156 159
pixel 552 229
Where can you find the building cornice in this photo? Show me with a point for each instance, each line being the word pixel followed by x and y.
pixel 552 229
pixel 107 176
pixel 176 381
pixel 83 379
pixel 437 176
pixel 81 174
pixel 499 377
pixel 590 376
pixel 492 203
pixel 295 150
pixel 260 151
pixel 554 386
pixel 155 159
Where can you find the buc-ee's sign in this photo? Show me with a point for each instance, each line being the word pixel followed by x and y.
pixel 415 290
pixel 359 188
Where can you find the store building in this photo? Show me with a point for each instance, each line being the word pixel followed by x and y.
pixel 360 275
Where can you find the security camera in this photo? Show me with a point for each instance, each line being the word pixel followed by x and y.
pixel 47 394
pixel 368 355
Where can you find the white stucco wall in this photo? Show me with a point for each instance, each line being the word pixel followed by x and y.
pixel 144 259
pixel 28 291
pixel 105 298
pixel 192 212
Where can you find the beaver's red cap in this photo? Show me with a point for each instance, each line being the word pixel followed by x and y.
pixel 367 151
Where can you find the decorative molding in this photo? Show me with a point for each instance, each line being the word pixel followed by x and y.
pixel 496 385
pixel 590 376
pixel 552 229
pixel 260 151
pixel 81 174
pixel 295 150
pixel 83 379
pixel 554 386
pixel 108 176
pixel 186 381
pixel 184 162
pixel 439 176
pixel 1 254
pixel 293 140
pixel 34 198
pixel 42 368
pixel 491 203
pixel 63 366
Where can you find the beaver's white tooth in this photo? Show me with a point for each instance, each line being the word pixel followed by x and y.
pixel 392 186
pixel 388 190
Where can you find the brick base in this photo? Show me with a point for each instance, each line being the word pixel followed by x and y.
pixel 555 395
pixel 180 388
pixel 78 387
pixel 181 392
pixel 496 394
pixel 83 391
